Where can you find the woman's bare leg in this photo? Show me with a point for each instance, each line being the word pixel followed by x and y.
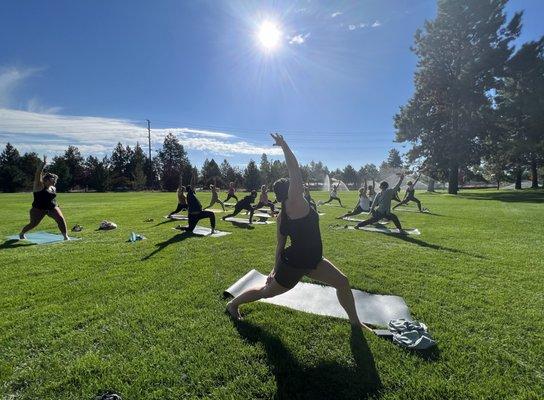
pixel 269 290
pixel 56 214
pixel 327 273
pixel 36 217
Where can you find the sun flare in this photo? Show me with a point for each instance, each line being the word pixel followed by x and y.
pixel 269 36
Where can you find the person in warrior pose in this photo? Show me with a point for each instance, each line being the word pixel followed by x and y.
pixel 264 201
pixel 244 204
pixel 308 197
pixel 230 193
pixel 409 196
pixel 45 202
pixel 334 195
pixel 195 212
pixel 363 204
pixel 381 206
pixel 371 193
pixel 182 201
pixel 215 197
pixel 304 257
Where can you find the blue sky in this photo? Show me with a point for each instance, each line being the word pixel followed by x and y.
pixel 90 73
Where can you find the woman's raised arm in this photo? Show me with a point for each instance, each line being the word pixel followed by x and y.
pixel 38 182
pixel 296 185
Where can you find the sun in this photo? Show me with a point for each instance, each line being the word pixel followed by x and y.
pixel 269 36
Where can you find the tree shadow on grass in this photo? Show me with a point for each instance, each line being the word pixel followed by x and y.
pixel 327 380
pixel 523 196
pixel 174 239
pixel 14 244
pixel 422 243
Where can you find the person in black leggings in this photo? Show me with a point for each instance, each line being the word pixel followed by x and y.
pixel 410 195
pixel 381 206
pixel 195 212
pixel 299 222
pixel 45 202
pixel 244 204
pixel 334 195
pixel 230 193
pixel 182 201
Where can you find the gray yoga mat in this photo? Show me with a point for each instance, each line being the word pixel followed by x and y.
pixel 202 231
pixel 246 221
pixel 321 300
pixel 352 219
pixel 370 228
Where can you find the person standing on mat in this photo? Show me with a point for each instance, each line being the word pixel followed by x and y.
pixel 195 212
pixel 182 201
pixel 363 205
pixel 264 201
pixel 304 257
pixel 381 206
pixel 244 204
pixel 371 193
pixel 308 197
pixel 409 196
pixel 45 202
pixel 334 195
pixel 230 193
pixel 215 198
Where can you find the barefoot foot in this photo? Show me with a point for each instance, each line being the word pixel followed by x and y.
pixel 234 312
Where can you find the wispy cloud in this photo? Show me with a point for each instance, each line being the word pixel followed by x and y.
pixel 43 129
pixel 52 132
pixel 336 14
pixel 363 25
pixel 10 79
pixel 299 39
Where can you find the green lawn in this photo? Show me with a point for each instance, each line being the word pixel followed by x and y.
pixel 146 319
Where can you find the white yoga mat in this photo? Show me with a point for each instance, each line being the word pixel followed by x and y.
pixel 202 231
pixel 262 215
pixel 230 204
pixel 214 210
pixel 412 210
pixel 370 228
pixel 321 300
pixel 246 221
pixel 361 220
pixel 177 217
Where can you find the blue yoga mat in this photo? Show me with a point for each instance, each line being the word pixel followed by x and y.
pixel 41 238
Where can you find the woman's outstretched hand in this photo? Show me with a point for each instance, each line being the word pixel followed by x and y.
pixel 278 139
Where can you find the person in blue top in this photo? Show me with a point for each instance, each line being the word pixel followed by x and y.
pixel 45 202
pixel 299 222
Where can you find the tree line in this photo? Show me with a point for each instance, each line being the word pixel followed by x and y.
pixel 478 105
pixel 128 168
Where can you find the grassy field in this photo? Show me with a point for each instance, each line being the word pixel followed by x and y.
pixel 147 319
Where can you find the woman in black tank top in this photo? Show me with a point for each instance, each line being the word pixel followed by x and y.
pixel 304 257
pixel 45 202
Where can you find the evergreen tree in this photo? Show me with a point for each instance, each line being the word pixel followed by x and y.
pixel 137 167
pixel 460 52
pixel 75 163
pixel 60 167
pixel 227 173
pixel 264 169
pixel 252 177
pixel 97 174
pixel 350 176
pixel 174 163
pixel 393 159
pixel 211 173
pixel 12 178
pixel 28 164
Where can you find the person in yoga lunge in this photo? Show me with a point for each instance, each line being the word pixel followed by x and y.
pixel 334 195
pixel 215 197
pixel 308 197
pixel 409 196
pixel 244 204
pixel 363 204
pixel 299 222
pixel 195 212
pixel 264 201
pixel 230 193
pixel 381 206
pixel 182 201
pixel 371 193
pixel 45 202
